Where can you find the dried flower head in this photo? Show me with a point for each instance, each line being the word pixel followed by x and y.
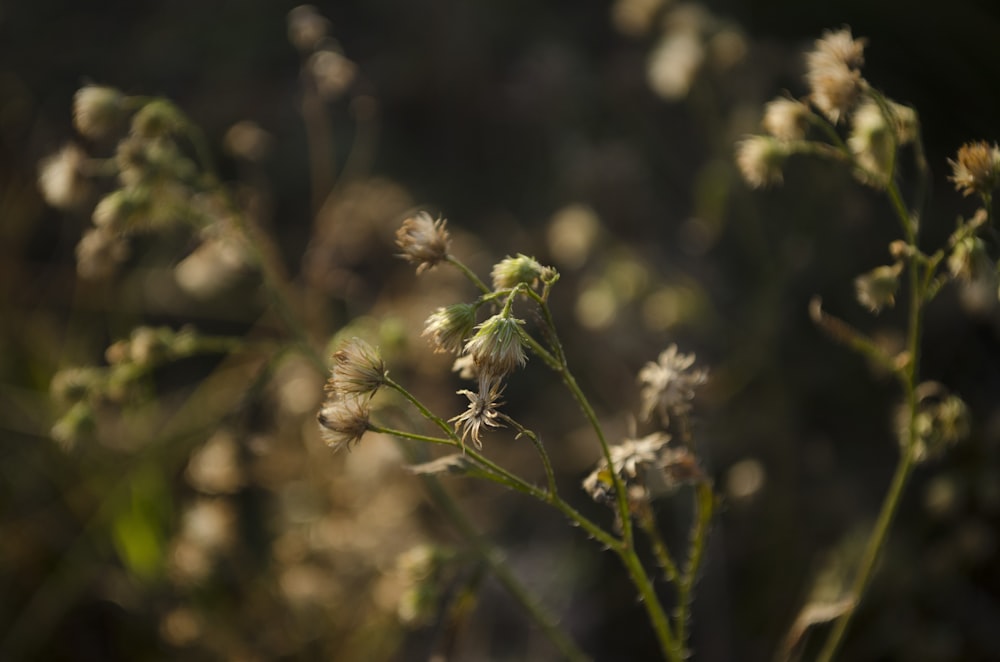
pixel 873 143
pixel 423 240
pixel 877 288
pixel 449 327
pixel 976 168
pixel 358 369
pixel 497 347
pixel 627 459
pixel 97 110
pixel 465 366
pixel 512 271
pixel 668 386
pixel 343 421
pixel 786 119
pixel 99 253
pixel 482 413
pixel 306 28
pixel 760 160
pixel 61 178
pixel 833 73
pixel 333 73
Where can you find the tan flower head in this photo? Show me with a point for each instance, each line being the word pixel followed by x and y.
pixel 449 327
pixel 482 413
pixel 786 119
pixel 668 386
pixel 358 369
pixel 497 347
pixel 760 160
pixel 627 458
pixel 976 168
pixel 343 421
pixel 877 288
pixel 61 178
pixel 423 240
pixel 512 271
pixel 833 73
pixel 97 110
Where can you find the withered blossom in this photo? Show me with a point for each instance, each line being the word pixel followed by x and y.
pixel 833 73
pixel 668 386
pixel 976 168
pixel 482 413
pixel 358 369
pixel 497 347
pixel 423 240
pixel 450 326
pixel 343 421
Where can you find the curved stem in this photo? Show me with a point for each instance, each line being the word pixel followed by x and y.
pixel 550 475
pixel 455 262
pixel 704 505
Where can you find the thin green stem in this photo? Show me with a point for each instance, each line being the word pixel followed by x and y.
pixel 455 262
pixel 664 559
pixel 871 554
pixel 501 570
pixel 704 505
pixel 669 646
pixel 550 475
pixel 907 461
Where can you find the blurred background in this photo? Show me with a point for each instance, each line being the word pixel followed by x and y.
pixel 597 136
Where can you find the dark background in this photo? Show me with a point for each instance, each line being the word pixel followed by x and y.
pixel 498 114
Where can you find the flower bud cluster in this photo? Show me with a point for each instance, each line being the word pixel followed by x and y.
pixel 358 372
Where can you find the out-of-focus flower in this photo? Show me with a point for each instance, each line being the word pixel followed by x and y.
pixel 482 413
pixel 877 288
pixel 423 240
pixel 627 458
pixel 97 110
pixel 99 253
pixel 760 160
pixel 306 28
pixel 674 63
pixel 332 72
pixel 976 168
pixel 61 179
pixel 668 386
pixel 786 119
pixel 248 141
pixel 833 73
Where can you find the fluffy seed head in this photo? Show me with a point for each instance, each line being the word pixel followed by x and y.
pixel 497 348
pixel 786 119
pixel 423 240
pixel 343 421
pixel 760 160
pixel 833 73
pixel 358 369
pixel 668 386
pixel 61 180
pixel 976 168
pixel 449 327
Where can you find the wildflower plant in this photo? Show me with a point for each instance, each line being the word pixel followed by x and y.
pixel 496 348
pixel 846 120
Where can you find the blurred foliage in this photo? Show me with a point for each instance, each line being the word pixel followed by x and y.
pixel 534 128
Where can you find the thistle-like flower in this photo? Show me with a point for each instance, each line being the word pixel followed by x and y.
pixel 343 421
pixel 627 459
pixel 833 73
pixel 512 271
pixel 482 413
pixel 786 119
pixel 976 168
pixel 358 370
pixel 668 386
pixel 760 160
pixel 97 110
pixel 423 240
pixel 449 327
pixel 497 348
